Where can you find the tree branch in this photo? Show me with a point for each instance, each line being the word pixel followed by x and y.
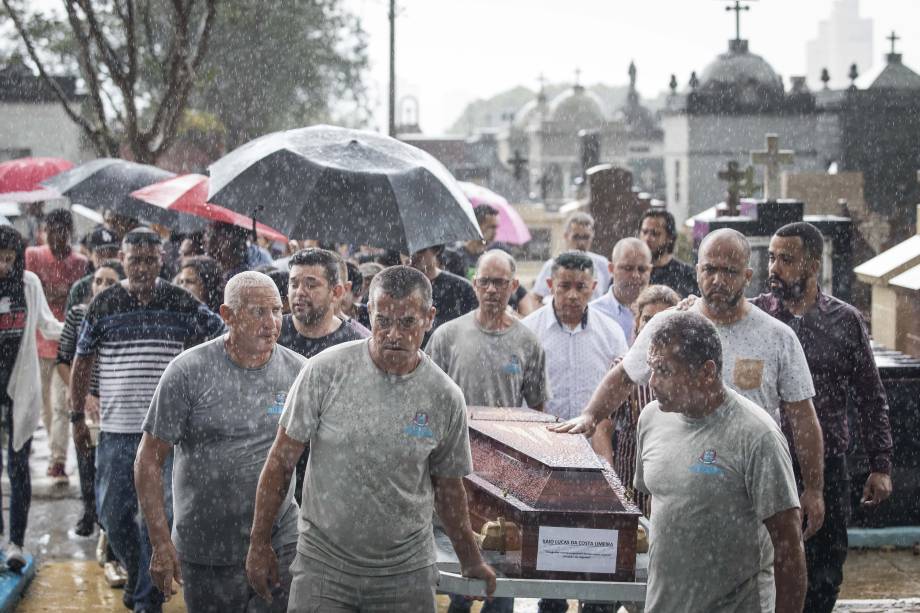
pixel 89 69
pixel 96 135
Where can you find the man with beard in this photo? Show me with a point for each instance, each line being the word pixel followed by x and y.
pixel 314 289
pixel 763 361
pixel 630 265
pixel 839 355
pixel 659 231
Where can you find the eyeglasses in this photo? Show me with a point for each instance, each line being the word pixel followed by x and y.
pixel 484 282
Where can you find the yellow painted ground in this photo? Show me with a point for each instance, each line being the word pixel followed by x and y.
pixel 80 586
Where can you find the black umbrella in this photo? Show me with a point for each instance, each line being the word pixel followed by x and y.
pixel 348 186
pixel 107 183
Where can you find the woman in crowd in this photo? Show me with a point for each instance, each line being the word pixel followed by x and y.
pixel 107 274
pixel 23 311
pixel 201 276
pixel 652 300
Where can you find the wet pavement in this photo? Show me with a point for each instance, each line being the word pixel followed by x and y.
pixel 70 579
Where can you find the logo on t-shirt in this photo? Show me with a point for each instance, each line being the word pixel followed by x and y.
pixel 277 407
pixel 419 426
pixel 513 367
pixel 705 464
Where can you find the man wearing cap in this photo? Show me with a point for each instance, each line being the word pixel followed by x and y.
pixel 103 245
pixel 133 329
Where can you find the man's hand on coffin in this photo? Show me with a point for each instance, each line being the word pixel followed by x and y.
pixel 481 571
pixel 583 424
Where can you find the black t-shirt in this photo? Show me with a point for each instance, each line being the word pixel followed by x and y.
pixel 678 276
pixel 309 347
pixel 452 296
pixel 460 262
pixel 12 327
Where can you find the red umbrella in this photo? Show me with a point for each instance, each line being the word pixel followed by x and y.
pixel 20 179
pixel 189 193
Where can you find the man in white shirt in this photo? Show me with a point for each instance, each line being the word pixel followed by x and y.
pixel 580 342
pixel 630 267
pixel 579 234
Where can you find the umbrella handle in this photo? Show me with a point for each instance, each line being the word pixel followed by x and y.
pixel 258 209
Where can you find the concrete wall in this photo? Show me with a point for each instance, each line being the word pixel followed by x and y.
pixel 708 142
pixel 41 130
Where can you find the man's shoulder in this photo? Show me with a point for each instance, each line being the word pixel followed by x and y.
pixel 173 297
pixel 598 259
pixel 289 358
pixel 110 301
pixel 338 355
pixel 450 330
pixel 758 318
pixel 200 356
pixel 753 419
pixel 534 320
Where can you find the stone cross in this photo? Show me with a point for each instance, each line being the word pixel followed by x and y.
pixel 518 163
pixel 734 177
pixel 737 8
pixel 771 160
pixel 893 38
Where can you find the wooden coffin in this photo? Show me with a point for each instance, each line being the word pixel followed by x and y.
pixel 574 519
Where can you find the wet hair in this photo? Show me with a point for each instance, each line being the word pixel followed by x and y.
pixel 142 236
pixel 61 219
pixel 692 337
pixel 11 239
pixel 812 239
pixel 388 258
pixel 578 218
pixel 212 278
pixel 314 256
pixel 483 211
pixel 354 277
pixel 507 256
pixel 655 294
pixel 281 279
pixel 242 281
pixel 629 243
pixel 670 225
pixel 401 282
pixel 114 265
pixel 573 260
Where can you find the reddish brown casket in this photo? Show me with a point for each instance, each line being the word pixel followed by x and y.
pixel 575 519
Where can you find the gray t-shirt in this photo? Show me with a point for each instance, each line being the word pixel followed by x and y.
pixel 762 359
pixel 222 420
pixel 375 442
pixel 713 481
pixel 493 368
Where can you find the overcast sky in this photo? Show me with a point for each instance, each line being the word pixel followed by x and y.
pixel 450 52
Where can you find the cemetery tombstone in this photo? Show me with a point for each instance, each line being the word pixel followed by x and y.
pixel 615 206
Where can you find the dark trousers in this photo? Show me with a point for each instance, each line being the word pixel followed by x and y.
pixel 86 466
pixel 553 605
pixel 826 551
pixel 17 466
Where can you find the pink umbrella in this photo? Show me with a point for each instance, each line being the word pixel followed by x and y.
pixel 511 228
pixel 188 194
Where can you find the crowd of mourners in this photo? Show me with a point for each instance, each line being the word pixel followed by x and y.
pixel 273 427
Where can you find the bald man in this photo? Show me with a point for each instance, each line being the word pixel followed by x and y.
pixel 763 361
pixel 217 408
pixel 630 267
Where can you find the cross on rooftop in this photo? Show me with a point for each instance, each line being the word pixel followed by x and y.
pixel 771 160
pixel 893 38
pixel 518 163
pixel 738 8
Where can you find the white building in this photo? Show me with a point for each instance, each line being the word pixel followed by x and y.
pixel 843 39
pixel 32 121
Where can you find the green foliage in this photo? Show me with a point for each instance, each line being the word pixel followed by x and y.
pixel 282 64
